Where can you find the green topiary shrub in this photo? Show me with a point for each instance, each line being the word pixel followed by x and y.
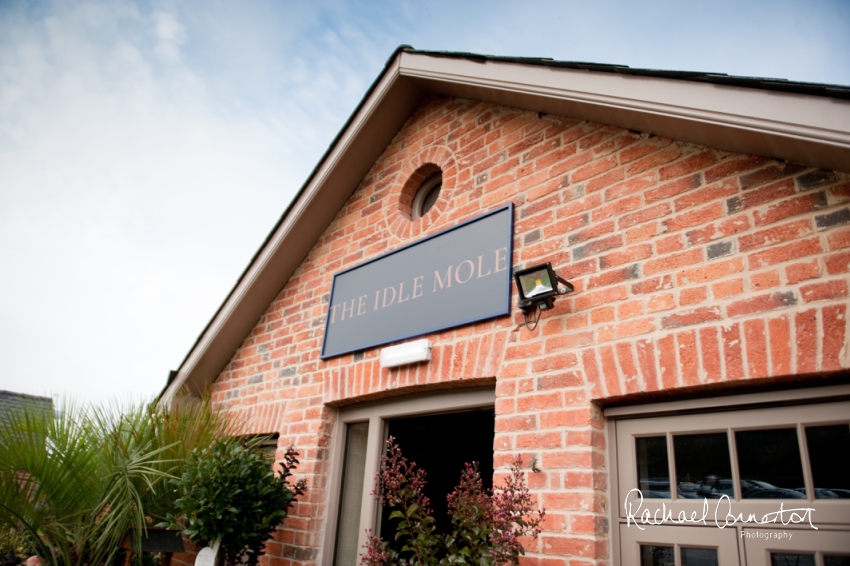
pixel 230 493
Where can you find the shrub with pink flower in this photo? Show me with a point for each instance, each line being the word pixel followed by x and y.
pixel 487 524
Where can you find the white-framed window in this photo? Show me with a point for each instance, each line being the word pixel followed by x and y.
pixel 356 448
pixel 712 482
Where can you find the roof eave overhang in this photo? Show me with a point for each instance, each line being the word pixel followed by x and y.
pixel 814 130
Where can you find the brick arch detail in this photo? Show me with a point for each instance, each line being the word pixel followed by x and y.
pixel 428 161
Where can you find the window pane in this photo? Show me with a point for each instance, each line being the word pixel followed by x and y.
pixel 792 559
pixel 431 198
pixel 348 527
pixel 699 556
pixel 653 473
pixel 703 468
pixel 829 560
pixel 829 455
pixel 656 555
pixel 769 463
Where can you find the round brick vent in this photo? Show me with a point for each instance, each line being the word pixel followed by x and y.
pixel 423 192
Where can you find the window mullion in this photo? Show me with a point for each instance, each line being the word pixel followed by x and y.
pixel 671 469
pixel 803 442
pixel 733 458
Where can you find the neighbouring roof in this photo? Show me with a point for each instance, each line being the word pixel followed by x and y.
pixel 801 122
pixel 11 403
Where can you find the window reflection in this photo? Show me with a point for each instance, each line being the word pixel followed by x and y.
pixel 699 556
pixel 653 472
pixel 656 555
pixel 831 560
pixel 769 464
pixel 777 559
pixel 703 469
pixel 829 455
pixel 357 436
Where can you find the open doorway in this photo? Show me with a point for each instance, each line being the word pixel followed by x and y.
pixel 441 445
pixel 456 426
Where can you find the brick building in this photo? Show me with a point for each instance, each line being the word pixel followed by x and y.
pixel 704 223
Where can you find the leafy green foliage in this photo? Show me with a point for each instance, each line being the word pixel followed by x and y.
pixel 12 542
pixel 74 481
pixel 472 513
pixel 487 525
pixel 230 493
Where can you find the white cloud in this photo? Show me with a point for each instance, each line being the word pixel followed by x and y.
pixel 131 197
pixel 171 35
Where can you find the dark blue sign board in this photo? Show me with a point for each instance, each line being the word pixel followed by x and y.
pixel 455 277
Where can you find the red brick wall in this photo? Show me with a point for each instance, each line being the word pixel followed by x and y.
pixel 691 266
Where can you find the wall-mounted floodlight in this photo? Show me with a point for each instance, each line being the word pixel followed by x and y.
pixel 408 353
pixel 538 287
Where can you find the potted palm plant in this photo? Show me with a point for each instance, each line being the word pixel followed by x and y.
pixel 75 481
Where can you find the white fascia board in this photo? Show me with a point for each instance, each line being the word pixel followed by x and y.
pixel 367 135
pixel 728 117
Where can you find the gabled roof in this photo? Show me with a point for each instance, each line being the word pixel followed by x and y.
pixel 12 403
pixel 800 122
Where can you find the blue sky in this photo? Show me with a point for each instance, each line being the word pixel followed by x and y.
pixel 147 148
